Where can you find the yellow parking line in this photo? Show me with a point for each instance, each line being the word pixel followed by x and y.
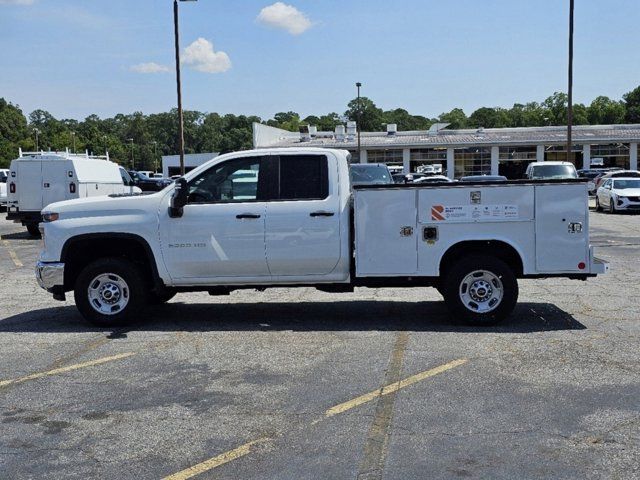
pixel 214 462
pixel 12 254
pixel 393 387
pixel 245 449
pixel 68 368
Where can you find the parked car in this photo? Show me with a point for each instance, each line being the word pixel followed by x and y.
pixel 407 177
pixel 37 179
pixel 483 178
pixel 370 174
pixel 4 174
pixel 551 171
pixel 592 174
pixel 147 184
pixel 615 174
pixel 433 179
pixel 619 194
pixel 304 224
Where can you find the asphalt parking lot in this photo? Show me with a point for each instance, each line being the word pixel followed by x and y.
pixel 300 384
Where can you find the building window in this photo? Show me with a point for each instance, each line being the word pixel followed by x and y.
pixel 472 161
pixel 513 161
pixel 421 157
pixel 612 155
pixel 390 157
pixel 558 153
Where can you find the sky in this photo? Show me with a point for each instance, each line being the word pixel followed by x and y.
pixel 79 57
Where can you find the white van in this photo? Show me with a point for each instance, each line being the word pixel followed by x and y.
pixel 37 179
pixel 551 171
pixel 4 174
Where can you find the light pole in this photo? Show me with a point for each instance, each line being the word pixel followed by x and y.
pixel 37 133
pixel 178 84
pixel 359 118
pixel 155 156
pixel 570 89
pixel 132 161
pixel 73 134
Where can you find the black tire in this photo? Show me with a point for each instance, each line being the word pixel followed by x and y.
pixel 136 292
pixel 598 206
pixel 612 205
pixel 33 230
pixel 155 298
pixel 454 285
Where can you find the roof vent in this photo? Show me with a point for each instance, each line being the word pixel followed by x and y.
pixel 304 133
pixel 351 130
pixel 313 131
pixel 340 132
pixel 480 130
pixel 392 128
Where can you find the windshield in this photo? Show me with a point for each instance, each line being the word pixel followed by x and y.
pixel 554 171
pixel 622 184
pixel 370 174
pixel 126 178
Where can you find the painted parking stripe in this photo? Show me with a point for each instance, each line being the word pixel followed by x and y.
pixel 68 368
pixel 216 461
pixel 245 449
pixel 12 254
pixel 393 387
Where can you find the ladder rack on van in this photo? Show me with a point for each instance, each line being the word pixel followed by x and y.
pixel 64 154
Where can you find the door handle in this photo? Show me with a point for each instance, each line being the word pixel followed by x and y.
pixel 247 215
pixel 321 214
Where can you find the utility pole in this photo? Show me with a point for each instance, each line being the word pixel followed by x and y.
pixel 359 119
pixel 570 89
pixel 37 133
pixel 73 134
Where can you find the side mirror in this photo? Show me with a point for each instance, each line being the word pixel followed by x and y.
pixel 179 198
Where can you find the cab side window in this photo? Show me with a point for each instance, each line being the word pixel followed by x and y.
pixel 303 177
pixel 237 180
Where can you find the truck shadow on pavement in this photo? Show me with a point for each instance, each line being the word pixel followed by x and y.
pixel 19 236
pixel 356 315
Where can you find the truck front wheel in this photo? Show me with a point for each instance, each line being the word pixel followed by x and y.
pixel 110 292
pixel 480 290
pixel 33 230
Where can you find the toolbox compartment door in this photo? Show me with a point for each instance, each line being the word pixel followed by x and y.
pixel 559 211
pixel 385 232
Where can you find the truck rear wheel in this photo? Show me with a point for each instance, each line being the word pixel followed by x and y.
pixel 480 290
pixel 110 292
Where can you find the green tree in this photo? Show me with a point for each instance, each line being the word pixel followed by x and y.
pixel 13 131
pixel 405 121
pixel 632 106
pixel 489 118
pixel 604 111
pixel 456 119
pixel 370 117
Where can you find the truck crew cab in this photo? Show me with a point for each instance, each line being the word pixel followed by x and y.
pixel 290 217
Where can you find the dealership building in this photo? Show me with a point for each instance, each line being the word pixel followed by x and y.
pixel 482 151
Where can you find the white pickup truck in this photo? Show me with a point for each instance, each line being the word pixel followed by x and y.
pixel 290 217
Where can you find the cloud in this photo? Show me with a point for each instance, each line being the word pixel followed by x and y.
pixel 16 2
pixel 149 67
pixel 286 17
pixel 201 57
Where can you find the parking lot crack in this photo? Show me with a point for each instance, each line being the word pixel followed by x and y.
pixel 376 444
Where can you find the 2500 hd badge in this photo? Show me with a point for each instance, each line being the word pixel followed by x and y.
pixel 187 245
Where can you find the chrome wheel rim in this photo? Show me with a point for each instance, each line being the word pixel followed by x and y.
pixel 481 291
pixel 108 293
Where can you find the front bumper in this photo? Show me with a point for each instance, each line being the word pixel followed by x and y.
pixel 50 276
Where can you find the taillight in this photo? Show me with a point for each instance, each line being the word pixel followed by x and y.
pixel 12 187
pixel 72 187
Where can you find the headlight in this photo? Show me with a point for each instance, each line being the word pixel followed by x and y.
pixel 50 216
